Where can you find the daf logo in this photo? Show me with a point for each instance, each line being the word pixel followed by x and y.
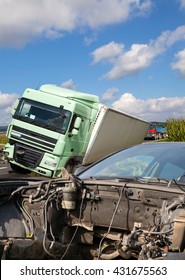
pixel 20 152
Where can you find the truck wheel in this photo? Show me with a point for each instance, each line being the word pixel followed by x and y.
pixel 160 136
pixel 19 169
pixel 70 166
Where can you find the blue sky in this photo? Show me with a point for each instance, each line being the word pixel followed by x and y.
pixel 131 53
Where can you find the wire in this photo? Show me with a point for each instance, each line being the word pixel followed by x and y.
pixel 79 219
pixel 111 222
pixel 46 226
pixel 46 192
pixel 178 185
pixel 27 216
pixel 158 232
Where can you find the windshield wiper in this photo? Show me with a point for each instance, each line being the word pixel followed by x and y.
pixel 144 180
pixel 50 127
pixel 154 180
pixel 179 184
pixel 115 178
pixel 26 119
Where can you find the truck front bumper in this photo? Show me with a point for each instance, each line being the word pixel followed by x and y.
pixel 32 159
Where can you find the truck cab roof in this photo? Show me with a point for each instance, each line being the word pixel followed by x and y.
pixel 68 93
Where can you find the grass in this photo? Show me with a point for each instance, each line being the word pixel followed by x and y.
pixel 3 138
pixel 176 129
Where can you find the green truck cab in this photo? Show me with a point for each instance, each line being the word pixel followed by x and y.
pixel 50 129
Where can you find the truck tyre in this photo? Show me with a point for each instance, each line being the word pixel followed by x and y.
pixel 160 136
pixel 19 169
pixel 70 166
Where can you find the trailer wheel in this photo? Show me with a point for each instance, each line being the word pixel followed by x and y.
pixel 19 169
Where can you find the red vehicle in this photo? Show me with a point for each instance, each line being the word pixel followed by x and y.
pixel 156 131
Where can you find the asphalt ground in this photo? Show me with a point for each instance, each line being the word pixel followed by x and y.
pixel 7 172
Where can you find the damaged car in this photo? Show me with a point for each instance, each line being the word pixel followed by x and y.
pixel 129 205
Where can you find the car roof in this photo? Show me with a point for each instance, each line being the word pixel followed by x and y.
pixel 167 144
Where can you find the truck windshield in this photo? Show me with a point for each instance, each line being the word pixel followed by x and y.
pixel 152 127
pixel 43 115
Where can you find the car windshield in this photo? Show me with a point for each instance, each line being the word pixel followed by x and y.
pixel 43 115
pixel 157 160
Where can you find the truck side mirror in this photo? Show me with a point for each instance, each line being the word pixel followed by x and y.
pixel 77 123
pixel 74 131
pixel 15 105
pixel 76 126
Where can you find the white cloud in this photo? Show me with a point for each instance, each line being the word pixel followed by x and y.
pixel 152 109
pixel 5 118
pixel 88 40
pixel 6 102
pixel 7 99
pixel 109 94
pixel 180 63
pixel 21 21
pixel 69 84
pixel 109 52
pixel 182 2
pixel 140 56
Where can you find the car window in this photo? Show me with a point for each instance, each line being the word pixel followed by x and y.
pixel 160 161
pixel 171 171
pixel 131 166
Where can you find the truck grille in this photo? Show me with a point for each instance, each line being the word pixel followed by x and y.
pixel 27 156
pixel 33 139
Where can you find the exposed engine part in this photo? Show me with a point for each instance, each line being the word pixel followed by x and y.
pixel 69 196
pixel 70 219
